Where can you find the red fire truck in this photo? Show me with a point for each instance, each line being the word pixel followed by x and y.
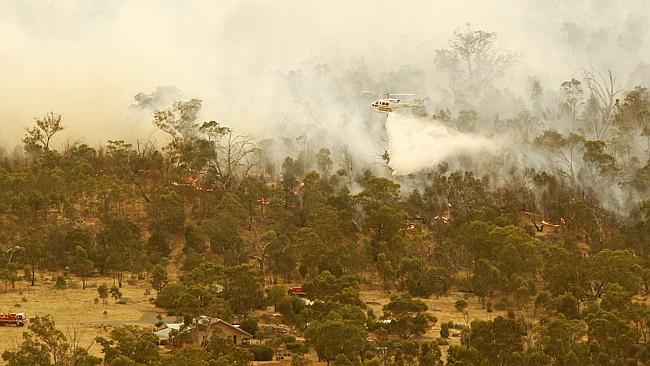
pixel 296 291
pixel 17 319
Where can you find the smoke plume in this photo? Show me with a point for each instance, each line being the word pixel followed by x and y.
pixel 416 143
pixel 288 74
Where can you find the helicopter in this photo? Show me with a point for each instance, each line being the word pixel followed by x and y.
pixel 388 103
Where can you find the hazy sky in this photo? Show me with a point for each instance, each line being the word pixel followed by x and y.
pixel 87 59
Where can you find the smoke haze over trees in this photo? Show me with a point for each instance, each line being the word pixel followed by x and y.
pixel 240 64
pixel 225 151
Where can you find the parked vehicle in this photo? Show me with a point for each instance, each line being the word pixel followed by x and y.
pixel 297 291
pixel 17 319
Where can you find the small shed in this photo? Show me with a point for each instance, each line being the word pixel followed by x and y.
pixel 164 333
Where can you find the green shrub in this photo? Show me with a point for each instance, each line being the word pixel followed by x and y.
pixel 460 305
pixel 294 346
pixel 502 304
pixel 289 338
pixel 567 304
pixel 167 297
pixel 444 330
pixel 61 282
pixel 250 325
pixel 262 352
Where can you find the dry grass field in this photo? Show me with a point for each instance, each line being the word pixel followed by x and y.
pixel 442 307
pixel 73 309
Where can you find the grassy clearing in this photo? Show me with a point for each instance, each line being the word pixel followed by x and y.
pixel 74 309
pixel 442 307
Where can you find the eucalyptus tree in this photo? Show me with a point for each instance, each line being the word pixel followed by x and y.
pixel 472 62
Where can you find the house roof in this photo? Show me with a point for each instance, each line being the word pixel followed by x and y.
pixel 206 320
pixel 176 326
pixel 237 328
pixel 163 334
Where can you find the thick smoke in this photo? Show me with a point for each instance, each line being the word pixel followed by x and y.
pixel 87 59
pixel 416 143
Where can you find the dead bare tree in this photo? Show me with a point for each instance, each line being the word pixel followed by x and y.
pixel 235 157
pixel 348 164
pixel 605 89
pixel 76 333
pixel 145 147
